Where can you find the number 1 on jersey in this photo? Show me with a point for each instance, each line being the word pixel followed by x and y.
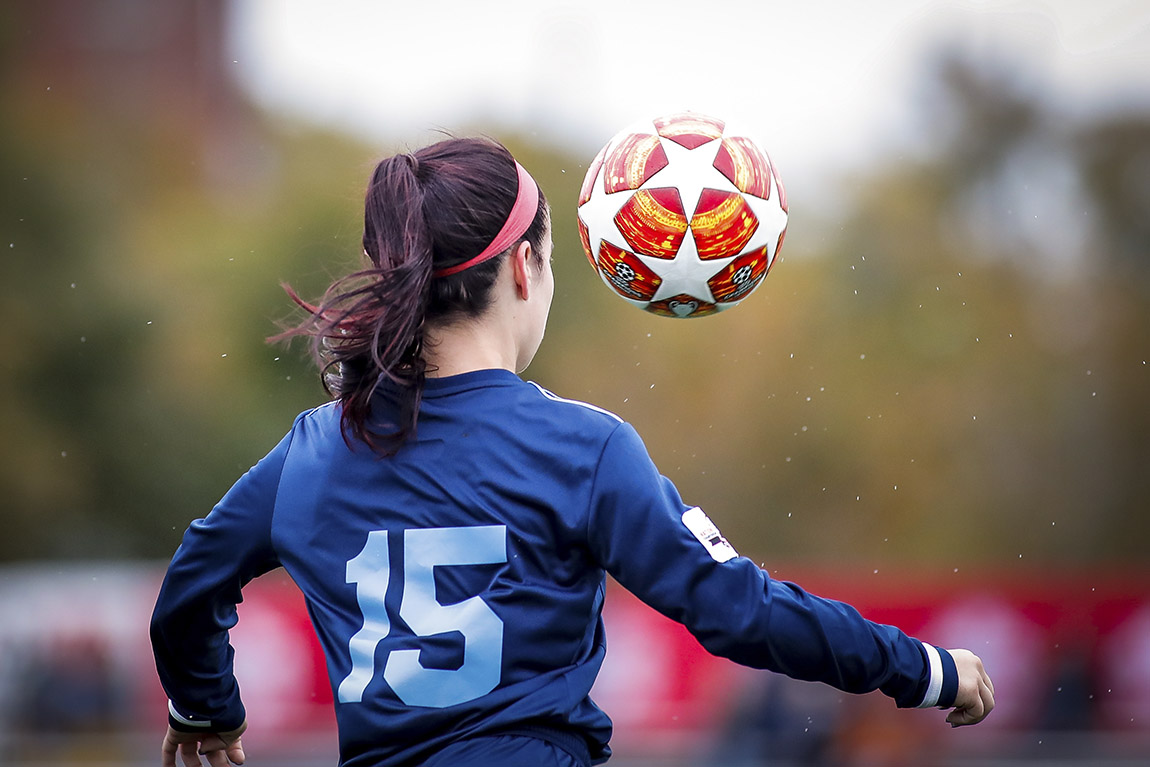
pixel 370 572
pixel 482 629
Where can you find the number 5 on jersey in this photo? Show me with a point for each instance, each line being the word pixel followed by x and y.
pixel 482 629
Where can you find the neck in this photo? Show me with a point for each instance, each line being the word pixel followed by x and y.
pixel 464 346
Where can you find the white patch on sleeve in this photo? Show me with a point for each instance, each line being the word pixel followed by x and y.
pixel 934 688
pixel 704 529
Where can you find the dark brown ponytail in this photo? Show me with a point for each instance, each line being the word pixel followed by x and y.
pixel 424 211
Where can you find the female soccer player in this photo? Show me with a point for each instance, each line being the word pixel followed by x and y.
pixel 450 524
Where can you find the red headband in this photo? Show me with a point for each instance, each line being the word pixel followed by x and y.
pixel 518 220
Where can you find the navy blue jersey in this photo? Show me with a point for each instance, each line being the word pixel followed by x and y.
pixel 456 587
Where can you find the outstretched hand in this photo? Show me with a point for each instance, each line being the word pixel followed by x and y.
pixel 219 748
pixel 975 698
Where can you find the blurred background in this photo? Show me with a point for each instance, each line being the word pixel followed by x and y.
pixel 935 407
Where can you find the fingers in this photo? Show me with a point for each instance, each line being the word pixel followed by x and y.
pixel 189 754
pixel 221 754
pixel 168 752
pixel 235 752
pixel 975 698
pixel 974 713
pixel 986 693
pixel 217 758
pixel 220 750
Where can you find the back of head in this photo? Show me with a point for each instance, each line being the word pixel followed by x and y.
pixel 424 213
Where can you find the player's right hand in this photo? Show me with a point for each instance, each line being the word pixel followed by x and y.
pixel 219 749
pixel 975 698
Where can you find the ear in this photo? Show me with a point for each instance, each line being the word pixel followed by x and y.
pixel 520 269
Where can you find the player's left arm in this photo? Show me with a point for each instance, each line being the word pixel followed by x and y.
pixel 675 560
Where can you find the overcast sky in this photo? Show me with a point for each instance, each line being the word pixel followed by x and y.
pixel 824 83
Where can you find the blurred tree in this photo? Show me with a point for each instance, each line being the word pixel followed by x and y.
pixel 142 193
pixel 949 368
pixel 958 372
pixel 1115 159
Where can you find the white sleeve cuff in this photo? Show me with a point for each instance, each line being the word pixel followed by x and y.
pixel 206 723
pixel 934 687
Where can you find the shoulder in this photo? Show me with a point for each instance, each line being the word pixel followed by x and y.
pixel 579 423
pixel 320 415
pixel 317 423
pixel 559 426
pixel 573 408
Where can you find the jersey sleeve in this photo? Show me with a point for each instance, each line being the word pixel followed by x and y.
pixel 672 557
pixel 197 602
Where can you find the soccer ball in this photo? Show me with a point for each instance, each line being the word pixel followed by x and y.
pixel 682 216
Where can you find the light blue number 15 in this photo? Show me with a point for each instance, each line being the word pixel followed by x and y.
pixel 482 629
